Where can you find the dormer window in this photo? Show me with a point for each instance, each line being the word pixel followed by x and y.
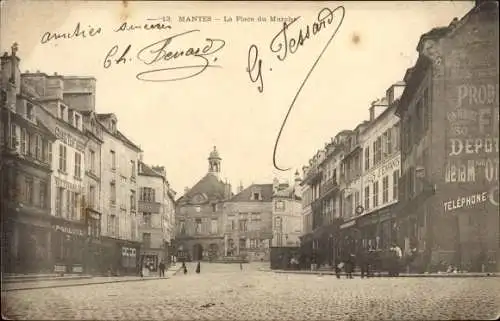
pixel 30 112
pixel 62 111
pixel 256 196
pixel 113 125
pixel 77 121
pixel 70 116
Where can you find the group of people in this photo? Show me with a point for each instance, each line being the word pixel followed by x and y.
pixel 150 268
pixel 369 261
pixel 184 267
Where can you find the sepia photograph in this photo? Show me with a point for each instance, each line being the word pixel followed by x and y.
pixel 249 160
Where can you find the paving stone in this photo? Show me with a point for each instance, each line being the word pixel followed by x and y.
pixel 222 291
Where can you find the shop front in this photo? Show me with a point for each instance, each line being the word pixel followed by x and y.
pixel 94 249
pixel 149 261
pixel 68 245
pixel 120 257
pixel 26 244
pixel 377 228
pixel 349 238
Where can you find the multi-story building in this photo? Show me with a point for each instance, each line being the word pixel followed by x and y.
pixel 92 201
pixel 449 145
pixel 25 162
pixel 247 223
pixel 371 212
pixel 287 213
pixel 199 223
pixel 119 196
pixel 156 210
pixel 68 170
pixel 323 197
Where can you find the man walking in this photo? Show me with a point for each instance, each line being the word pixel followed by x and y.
pixel 162 269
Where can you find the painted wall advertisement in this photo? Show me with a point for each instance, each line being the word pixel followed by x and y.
pixel 472 145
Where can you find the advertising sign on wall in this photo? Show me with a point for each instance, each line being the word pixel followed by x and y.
pixel 472 148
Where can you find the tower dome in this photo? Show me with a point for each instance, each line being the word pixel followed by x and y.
pixel 214 162
pixel 214 154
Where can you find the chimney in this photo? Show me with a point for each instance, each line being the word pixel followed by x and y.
pixel 372 112
pixel 297 177
pixel 377 107
pixel 240 188
pixel 186 190
pixel 276 184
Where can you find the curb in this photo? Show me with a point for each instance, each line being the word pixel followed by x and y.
pixel 45 279
pixel 492 275
pixel 95 283
pixel 83 284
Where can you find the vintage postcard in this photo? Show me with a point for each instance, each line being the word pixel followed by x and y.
pixel 246 160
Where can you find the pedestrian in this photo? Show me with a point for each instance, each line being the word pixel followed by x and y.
pixel 139 268
pixel 184 268
pixel 198 267
pixel 162 269
pixel 338 268
pixel 241 266
pixel 363 263
pixel 349 266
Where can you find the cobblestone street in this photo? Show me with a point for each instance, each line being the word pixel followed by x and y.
pixel 224 292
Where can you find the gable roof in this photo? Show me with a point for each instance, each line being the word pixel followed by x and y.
pixel 148 171
pixel 266 191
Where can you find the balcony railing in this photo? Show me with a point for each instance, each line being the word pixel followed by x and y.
pixel 328 186
pixel 150 207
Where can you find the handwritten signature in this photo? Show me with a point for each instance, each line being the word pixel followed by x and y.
pixel 284 44
pixel 199 58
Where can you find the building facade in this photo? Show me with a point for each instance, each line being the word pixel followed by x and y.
pixel 92 205
pixel 322 198
pixel 119 197
pixel 371 212
pixel 199 215
pixel 287 214
pixel 247 222
pixel 25 162
pixel 449 135
pixel 352 186
pixel 157 216
pixel 68 185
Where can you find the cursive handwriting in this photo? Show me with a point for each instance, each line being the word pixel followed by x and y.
pixel 160 52
pixel 77 33
pixel 125 26
pixel 255 75
pixel 284 44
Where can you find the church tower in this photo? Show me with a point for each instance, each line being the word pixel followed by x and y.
pixel 214 162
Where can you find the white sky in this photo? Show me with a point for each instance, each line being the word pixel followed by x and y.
pixel 177 123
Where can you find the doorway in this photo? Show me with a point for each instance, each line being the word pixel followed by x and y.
pixel 197 252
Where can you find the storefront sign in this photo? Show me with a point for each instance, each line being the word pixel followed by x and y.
pixel 128 251
pixel 348 224
pixel 68 139
pixel 68 229
pixel 387 168
pixel 92 215
pixel 68 185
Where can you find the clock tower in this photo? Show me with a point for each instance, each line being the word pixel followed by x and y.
pixel 214 162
